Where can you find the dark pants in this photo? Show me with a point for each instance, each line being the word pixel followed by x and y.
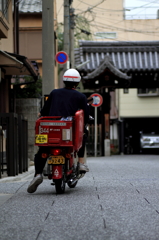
pixel 39 161
pixel 82 149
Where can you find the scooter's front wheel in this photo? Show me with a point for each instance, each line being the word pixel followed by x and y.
pixel 60 186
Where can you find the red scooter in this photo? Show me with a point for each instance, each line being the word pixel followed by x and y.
pixel 63 138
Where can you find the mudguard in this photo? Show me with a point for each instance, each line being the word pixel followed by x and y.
pixel 57 171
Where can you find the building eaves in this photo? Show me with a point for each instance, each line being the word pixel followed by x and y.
pixel 136 56
pixel 30 6
pixel 27 68
pixel 117 43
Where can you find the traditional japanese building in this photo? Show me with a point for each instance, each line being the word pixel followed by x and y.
pixel 116 70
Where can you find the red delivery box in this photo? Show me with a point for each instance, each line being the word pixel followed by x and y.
pixel 54 131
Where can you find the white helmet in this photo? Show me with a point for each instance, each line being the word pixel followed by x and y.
pixel 71 75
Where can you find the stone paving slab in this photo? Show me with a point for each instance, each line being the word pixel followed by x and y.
pixel 4 197
pixel 117 200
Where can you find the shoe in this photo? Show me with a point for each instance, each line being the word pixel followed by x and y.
pixel 83 167
pixel 35 183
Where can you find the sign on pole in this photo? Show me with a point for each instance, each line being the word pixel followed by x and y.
pixel 61 57
pixel 97 102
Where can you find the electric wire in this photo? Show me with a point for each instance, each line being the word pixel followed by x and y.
pixel 142 7
pixel 117 22
pixel 123 29
pixel 104 25
pixel 122 20
pixel 112 10
pixel 155 1
pixel 100 26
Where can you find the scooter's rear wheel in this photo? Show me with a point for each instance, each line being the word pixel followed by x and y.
pixel 60 186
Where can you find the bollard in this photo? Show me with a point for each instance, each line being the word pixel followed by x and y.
pixel 106 147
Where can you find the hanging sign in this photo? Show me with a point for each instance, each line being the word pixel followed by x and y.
pixel 61 57
pixel 97 100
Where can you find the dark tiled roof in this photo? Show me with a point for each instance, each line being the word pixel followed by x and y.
pixel 106 65
pixel 30 6
pixel 127 57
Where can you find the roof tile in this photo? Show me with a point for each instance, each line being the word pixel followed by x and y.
pixel 30 6
pixel 126 56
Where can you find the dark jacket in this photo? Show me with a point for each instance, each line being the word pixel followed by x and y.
pixel 65 102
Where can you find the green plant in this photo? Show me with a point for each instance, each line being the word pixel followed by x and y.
pixel 29 90
pixel 81 31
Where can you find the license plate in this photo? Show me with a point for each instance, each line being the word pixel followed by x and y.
pixel 56 160
pixel 41 138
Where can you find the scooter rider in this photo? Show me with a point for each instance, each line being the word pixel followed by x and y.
pixel 61 102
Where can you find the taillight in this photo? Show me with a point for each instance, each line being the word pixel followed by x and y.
pixel 44 155
pixel 56 152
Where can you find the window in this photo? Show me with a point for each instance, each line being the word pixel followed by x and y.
pixel 110 35
pixel 126 90
pixel 145 92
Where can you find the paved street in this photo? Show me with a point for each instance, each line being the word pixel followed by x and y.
pixel 117 200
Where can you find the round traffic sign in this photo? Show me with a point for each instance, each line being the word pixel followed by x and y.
pixel 61 57
pixel 97 100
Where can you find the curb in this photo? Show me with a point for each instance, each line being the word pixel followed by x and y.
pixel 19 177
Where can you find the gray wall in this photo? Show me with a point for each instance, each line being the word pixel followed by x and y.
pixel 29 108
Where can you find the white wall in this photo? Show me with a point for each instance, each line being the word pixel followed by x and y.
pixel 132 106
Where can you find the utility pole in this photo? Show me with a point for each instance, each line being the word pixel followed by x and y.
pixel 68 36
pixel 72 26
pixel 48 53
pixel 67 31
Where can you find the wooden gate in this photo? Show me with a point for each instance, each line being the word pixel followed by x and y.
pixel 90 141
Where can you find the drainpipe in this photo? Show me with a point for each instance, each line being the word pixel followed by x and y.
pixel 16 26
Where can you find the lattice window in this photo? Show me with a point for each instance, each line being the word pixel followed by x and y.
pixel 110 35
pixel 145 92
pixel 4 4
